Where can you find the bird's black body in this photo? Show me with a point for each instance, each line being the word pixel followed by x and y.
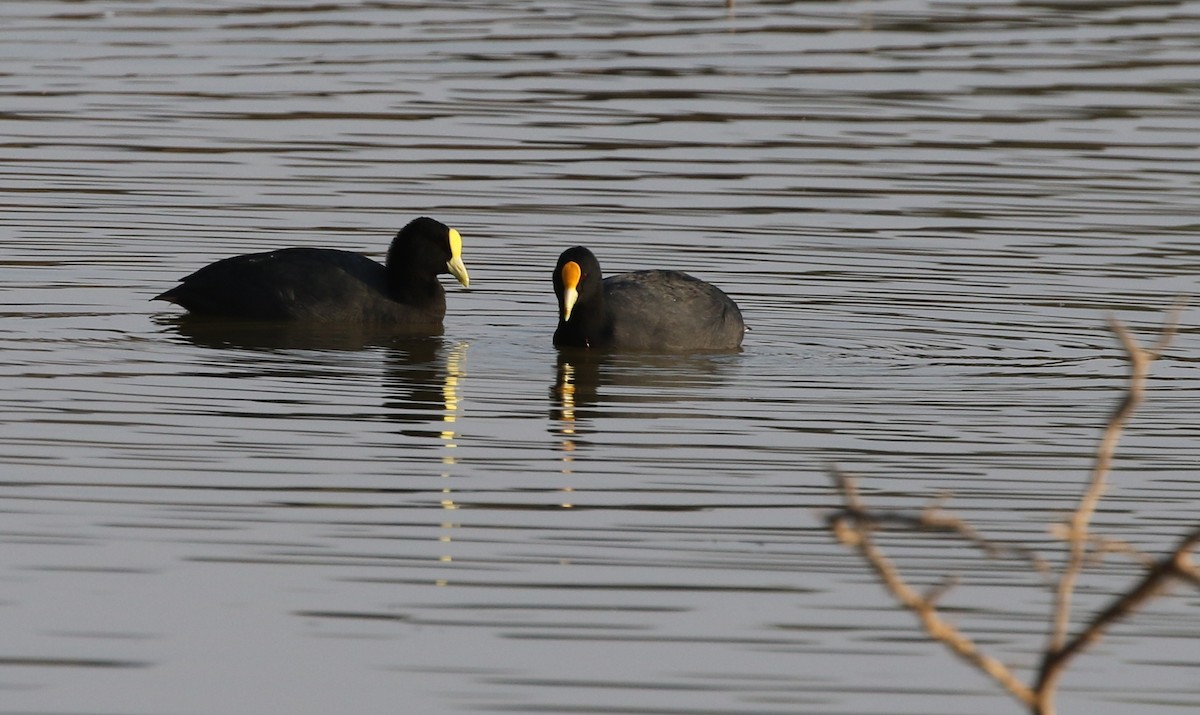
pixel 323 285
pixel 646 311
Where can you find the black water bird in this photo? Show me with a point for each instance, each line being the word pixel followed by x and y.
pixel 322 285
pixel 649 311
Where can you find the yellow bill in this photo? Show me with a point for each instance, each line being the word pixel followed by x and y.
pixel 455 264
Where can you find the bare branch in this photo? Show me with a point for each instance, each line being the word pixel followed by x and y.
pixel 924 608
pixel 1169 328
pixel 1077 534
pixel 854 526
pixel 934 594
pixel 1176 565
pixel 933 520
pixel 1059 650
pixel 1100 546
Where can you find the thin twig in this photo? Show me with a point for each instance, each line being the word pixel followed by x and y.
pixel 924 608
pixel 1059 650
pixel 1077 534
pixel 936 523
pixel 1177 564
pixel 994 549
pixel 1101 546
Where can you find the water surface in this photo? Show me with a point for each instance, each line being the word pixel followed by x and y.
pixel 925 211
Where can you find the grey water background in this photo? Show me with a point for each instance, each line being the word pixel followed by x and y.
pixel 925 210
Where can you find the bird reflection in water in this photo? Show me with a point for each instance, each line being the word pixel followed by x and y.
pixel 422 375
pixel 285 335
pixel 576 388
pixel 572 396
pixel 577 402
pixel 456 359
pixel 424 383
pixel 593 389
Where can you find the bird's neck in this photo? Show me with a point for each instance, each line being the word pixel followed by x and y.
pixel 408 284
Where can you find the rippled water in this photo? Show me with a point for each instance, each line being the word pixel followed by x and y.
pixel 925 211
